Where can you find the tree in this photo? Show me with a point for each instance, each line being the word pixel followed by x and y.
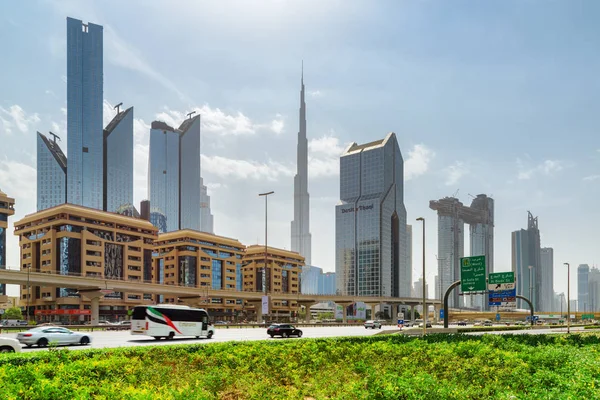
pixel 13 313
pixel 382 315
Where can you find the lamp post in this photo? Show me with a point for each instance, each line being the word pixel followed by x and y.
pixel 266 195
pixel 568 297
pixel 530 284
pixel 424 303
pixel 562 298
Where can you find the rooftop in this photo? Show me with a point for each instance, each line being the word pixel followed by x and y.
pixel 115 121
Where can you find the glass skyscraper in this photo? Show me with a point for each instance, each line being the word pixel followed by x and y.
pixel 371 243
pixel 51 173
pixel 583 275
pixel 118 162
pixel 174 183
pixel 6 210
pixel 84 113
pixel 547 268
pixel 526 263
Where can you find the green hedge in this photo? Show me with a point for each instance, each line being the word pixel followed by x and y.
pixel 439 366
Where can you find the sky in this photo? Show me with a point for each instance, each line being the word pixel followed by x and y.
pixel 499 98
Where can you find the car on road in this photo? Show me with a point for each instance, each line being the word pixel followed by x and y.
pixel 373 324
pixel 462 323
pixel 427 325
pixel 283 330
pixel 43 336
pixel 488 323
pixel 9 345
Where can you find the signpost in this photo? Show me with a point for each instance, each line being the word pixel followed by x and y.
pixel 472 274
pixel 587 316
pixel 442 313
pixel 502 291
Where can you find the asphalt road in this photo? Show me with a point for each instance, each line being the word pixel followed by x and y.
pixel 106 339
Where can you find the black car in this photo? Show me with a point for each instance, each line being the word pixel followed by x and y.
pixel 283 330
pixel 462 323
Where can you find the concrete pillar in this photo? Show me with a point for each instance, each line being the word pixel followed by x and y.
pixel 307 316
pixel 95 310
pixel 259 314
pixel 412 314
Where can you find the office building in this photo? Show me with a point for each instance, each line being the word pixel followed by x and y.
pixel 84 114
pixel 409 251
pixel 6 210
pixel 452 216
pixel 314 281
pixel 547 284
pixel 594 290
pixel 526 263
pixel 301 238
pixel 51 173
pixel 118 161
pixel 174 181
pixel 75 240
pixel 327 283
pixel 371 243
pixel 280 274
pixel 583 274
pixel 206 218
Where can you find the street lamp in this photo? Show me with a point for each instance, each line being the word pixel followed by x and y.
pixel 530 284
pixel 266 195
pixel 568 297
pixel 424 304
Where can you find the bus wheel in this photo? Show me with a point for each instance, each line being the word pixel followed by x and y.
pixel 156 337
pixel 210 334
pixel 171 336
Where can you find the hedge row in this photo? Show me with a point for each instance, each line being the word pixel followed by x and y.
pixel 439 366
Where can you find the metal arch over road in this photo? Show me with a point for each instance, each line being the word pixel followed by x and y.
pixel 18 277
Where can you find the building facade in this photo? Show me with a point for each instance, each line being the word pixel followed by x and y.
pixel 174 182
pixel 118 162
pixel 280 274
pixel 583 275
pixel 327 283
pixel 51 173
pixel 526 263
pixel 547 284
pixel 74 240
pixel 371 243
pixel 315 281
pixel 199 259
pixel 301 237
pixel 7 208
pixel 85 79
pixel 452 216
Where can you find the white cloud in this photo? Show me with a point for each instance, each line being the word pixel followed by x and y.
pixel 315 93
pixel 454 172
pixel 243 169
pixel 418 161
pixel 16 117
pixel 591 178
pixel 327 145
pixel 324 156
pixel 214 120
pixel 548 168
pixel 55 127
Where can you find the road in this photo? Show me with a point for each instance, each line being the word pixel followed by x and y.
pixel 107 339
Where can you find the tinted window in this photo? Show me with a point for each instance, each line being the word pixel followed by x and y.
pixel 139 313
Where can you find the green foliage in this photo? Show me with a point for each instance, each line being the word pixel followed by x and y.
pixel 12 313
pixel 438 366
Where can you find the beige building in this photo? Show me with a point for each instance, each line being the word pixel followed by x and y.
pixel 282 275
pixel 6 210
pixel 75 240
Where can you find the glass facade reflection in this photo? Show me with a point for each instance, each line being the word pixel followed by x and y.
pixel 187 271
pixel 51 173
pixel 371 235
pixel 118 162
pixel 2 256
pixel 68 253
pixel 84 113
pixel 217 274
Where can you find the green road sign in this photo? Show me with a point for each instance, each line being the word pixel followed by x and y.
pixel 587 316
pixel 501 277
pixel 472 274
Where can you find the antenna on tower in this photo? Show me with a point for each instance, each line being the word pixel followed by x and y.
pixel 189 115
pixel 55 136
pixel 117 107
pixel 456 193
pixel 471 195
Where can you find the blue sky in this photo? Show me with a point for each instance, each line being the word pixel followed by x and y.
pixel 485 97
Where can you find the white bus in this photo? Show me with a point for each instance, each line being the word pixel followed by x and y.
pixel 168 321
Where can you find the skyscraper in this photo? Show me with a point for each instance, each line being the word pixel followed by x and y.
pixel 174 181
pixel 594 289
pixel 371 244
pixel 583 275
pixel 6 210
pixel 206 218
pixel 526 262
pixel 409 251
pixel 118 162
pixel 301 238
pixel 547 284
pixel 51 173
pixel 84 113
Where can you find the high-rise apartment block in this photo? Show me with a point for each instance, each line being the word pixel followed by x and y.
pixel 301 238
pixel 526 263
pixel 583 276
pixel 6 210
pixel 51 173
pixel 452 216
pixel 118 162
pixel 547 284
pixel 174 184
pixel 371 243
pixel 84 114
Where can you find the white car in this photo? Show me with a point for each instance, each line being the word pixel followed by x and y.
pixel 43 336
pixel 372 324
pixel 8 345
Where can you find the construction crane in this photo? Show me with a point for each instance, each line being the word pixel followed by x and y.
pixel 55 136
pixel 117 107
pixel 189 115
pixel 456 193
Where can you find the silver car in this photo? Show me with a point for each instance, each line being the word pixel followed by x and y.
pixel 9 345
pixel 43 336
